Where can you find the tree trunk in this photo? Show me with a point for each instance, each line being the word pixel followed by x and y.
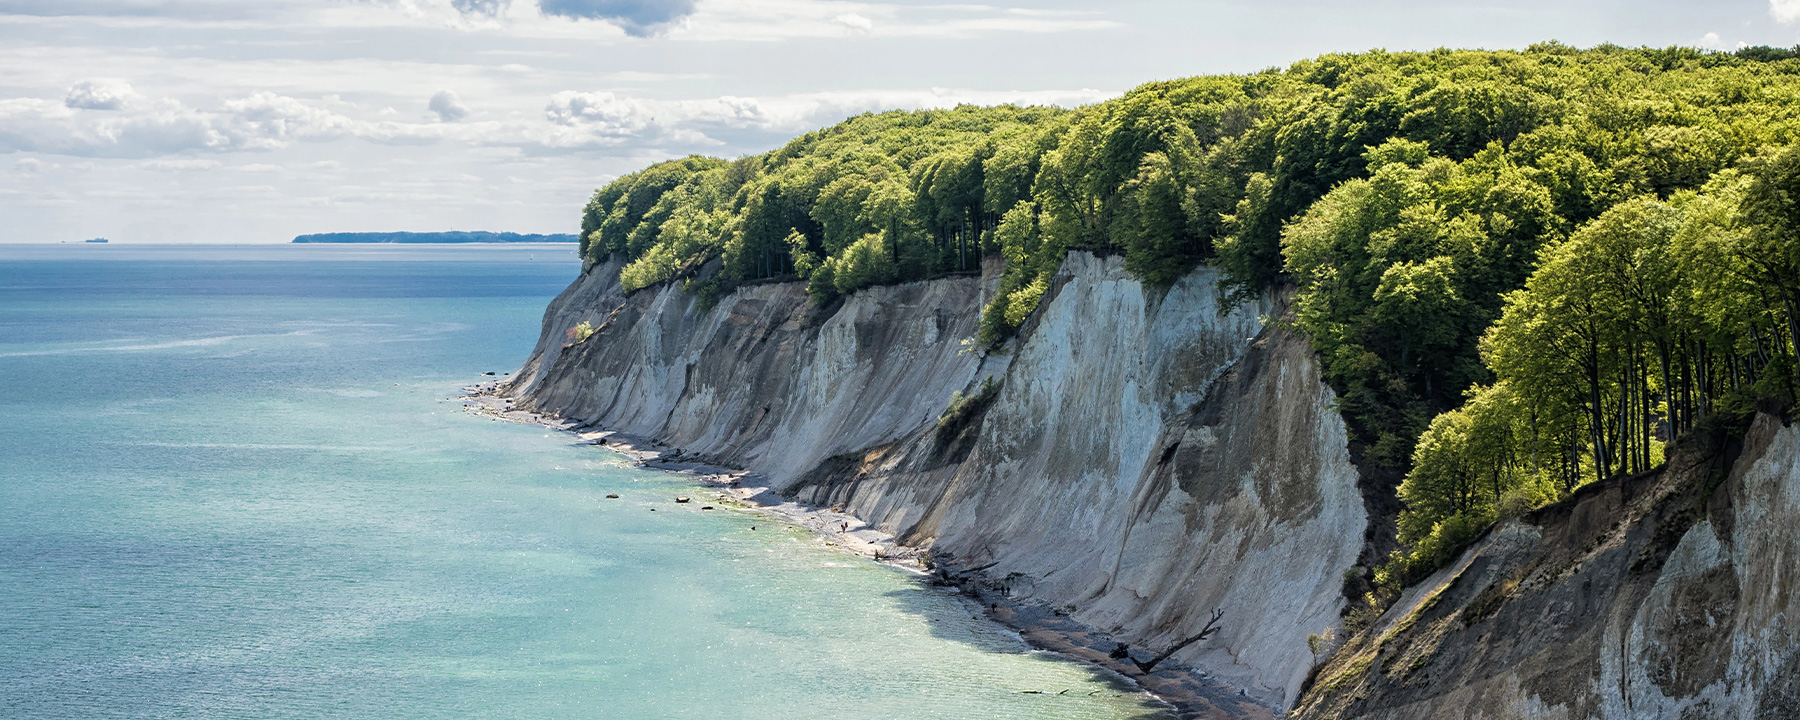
pixel 1597 413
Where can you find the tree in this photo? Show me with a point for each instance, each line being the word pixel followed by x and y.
pixel 1160 245
pixel 1768 254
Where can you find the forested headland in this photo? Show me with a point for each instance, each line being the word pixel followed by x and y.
pixel 1523 270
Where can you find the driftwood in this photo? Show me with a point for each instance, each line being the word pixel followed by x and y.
pixel 1212 627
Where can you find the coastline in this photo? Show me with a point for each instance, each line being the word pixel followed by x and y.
pixel 1188 694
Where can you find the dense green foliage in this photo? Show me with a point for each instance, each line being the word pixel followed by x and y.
pixel 1523 270
pixel 1644 322
pixel 877 199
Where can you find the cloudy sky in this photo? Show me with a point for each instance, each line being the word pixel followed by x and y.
pixel 256 120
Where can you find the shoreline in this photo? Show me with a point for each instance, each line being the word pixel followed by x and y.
pixel 1187 693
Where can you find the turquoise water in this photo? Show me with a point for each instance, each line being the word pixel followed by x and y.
pixel 237 483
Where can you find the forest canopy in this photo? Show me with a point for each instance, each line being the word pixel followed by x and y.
pixel 1523 270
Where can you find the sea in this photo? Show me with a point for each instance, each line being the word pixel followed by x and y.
pixel 238 482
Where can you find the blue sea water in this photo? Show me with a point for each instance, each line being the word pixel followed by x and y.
pixel 237 483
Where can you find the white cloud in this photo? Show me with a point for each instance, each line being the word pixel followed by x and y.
pixel 603 111
pixel 266 120
pixel 447 106
pixel 602 121
pixel 731 111
pixel 855 22
pixel 258 122
pixel 1785 11
pixel 98 95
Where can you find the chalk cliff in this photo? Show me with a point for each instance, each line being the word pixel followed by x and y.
pixel 1146 460
pixel 1671 594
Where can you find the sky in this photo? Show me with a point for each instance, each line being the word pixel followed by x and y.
pixel 247 121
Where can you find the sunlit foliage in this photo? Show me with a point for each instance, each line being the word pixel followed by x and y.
pixel 1523 270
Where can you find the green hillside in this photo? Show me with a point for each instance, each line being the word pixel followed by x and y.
pixel 1524 270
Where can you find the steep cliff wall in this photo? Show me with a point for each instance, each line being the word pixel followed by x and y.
pixel 762 381
pixel 1672 594
pixel 1146 461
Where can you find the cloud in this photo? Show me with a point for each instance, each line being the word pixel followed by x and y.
pixel 602 122
pixel 601 115
pixel 92 95
pixel 447 107
pixel 731 111
pixel 257 122
pixel 602 109
pixel 638 18
pixel 855 22
pixel 597 120
pixel 489 8
pixel 265 121
pixel 1785 11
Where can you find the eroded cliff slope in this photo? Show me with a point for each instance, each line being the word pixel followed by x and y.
pixel 1671 594
pixel 1146 461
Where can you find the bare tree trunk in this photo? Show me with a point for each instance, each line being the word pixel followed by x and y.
pixel 1212 627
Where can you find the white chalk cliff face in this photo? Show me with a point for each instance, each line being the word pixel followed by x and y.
pixel 1146 461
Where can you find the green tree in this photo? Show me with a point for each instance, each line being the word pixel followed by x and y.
pixel 1768 253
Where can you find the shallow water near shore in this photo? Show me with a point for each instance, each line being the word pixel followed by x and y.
pixel 238 482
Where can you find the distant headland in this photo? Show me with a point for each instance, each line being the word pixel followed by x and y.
pixel 454 236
